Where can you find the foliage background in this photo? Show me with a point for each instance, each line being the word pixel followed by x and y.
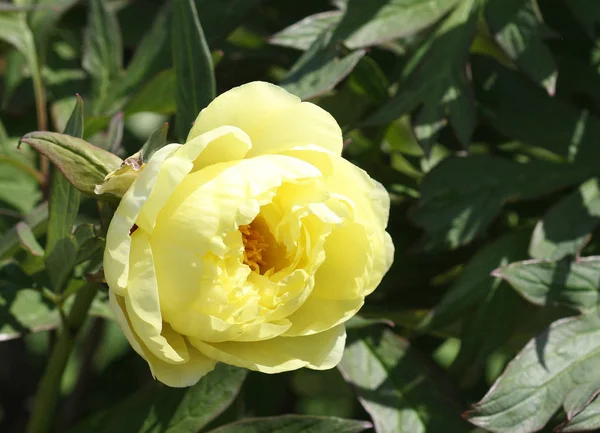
pixel 482 119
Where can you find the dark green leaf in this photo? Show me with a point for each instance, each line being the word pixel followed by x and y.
pixel 396 385
pixel 567 226
pixel 320 68
pixel 115 133
pixel 221 17
pixel 475 282
pixel 28 239
pixel 162 409
pixel 83 164
pixel 571 284
pixel 516 25
pixel 63 206
pixel 192 60
pixel 158 96
pixel 436 77
pixel 557 367
pixel 43 20
pixel 87 243
pixel 294 424
pixel 368 80
pixel 103 51
pixel 151 56
pixel 304 33
pixel 156 140
pixel 588 14
pixel 461 196
pixel 554 125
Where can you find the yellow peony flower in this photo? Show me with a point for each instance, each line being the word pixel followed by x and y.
pixel 251 244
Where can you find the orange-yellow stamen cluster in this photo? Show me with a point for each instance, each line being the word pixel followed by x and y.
pixel 254 246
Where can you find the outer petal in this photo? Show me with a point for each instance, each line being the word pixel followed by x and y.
pixel 118 241
pixel 319 351
pixel 176 375
pixel 222 144
pixel 273 118
pixel 371 207
pixel 143 307
pixel 318 315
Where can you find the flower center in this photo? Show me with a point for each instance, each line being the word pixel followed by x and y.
pixel 254 248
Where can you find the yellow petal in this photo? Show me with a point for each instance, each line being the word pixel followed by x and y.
pixel 318 315
pixel 175 375
pixel 118 241
pixel 273 118
pixel 319 351
pixel 211 203
pixel 143 306
pixel 222 144
pixel 362 255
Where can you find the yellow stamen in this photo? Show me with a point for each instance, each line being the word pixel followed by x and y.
pixel 254 246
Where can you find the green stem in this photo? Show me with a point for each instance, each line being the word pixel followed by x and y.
pixel 42 115
pixel 48 391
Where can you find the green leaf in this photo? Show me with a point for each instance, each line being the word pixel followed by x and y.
pixel 397 386
pixel 475 282
pixel 461 196
pixel 14 30
pixel 87 243
pixel 554 125
pixel 156 141
pixel 372 22
pixel 28 239
pixel 435 77
pixel 516 26
pixel 83 164
pixel 364 23
pixel 586 11
pixel 556 368
pixel 23 311
pixel 160 409
pixel 305 32
pixel 586 420
pixel 43 19
pixel 19 178
pixel 115 134
pixel 571 284
pixel 158 96
pixel 37 220
pixel 367 79
pixel 63 206
pixel 149 58
pixel 193 65
pixel 567 226
pixel 320 68
pixel 294 424
pixel 103 50
pixel 220 17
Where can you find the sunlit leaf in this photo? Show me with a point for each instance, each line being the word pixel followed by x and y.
pixel 396 385
pixel 556 368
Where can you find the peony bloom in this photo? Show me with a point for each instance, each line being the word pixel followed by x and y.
pixel 251 244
